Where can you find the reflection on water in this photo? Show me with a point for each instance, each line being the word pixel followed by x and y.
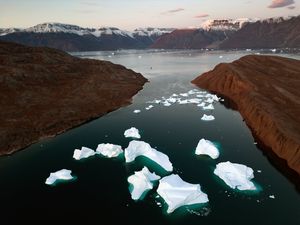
pixel 100 192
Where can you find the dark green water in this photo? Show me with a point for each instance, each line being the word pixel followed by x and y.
pixel 100 193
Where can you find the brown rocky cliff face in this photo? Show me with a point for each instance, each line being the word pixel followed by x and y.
pixel 45 92
pixel 266 92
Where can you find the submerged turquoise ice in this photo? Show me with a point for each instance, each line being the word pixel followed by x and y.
pixel 100 192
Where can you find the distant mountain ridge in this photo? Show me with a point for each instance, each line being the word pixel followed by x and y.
pixel 69 37
pixel 214 34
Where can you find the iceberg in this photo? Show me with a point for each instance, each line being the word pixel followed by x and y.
pixel 141 181
pixel 132 133
pixel 206 147
pixel 109 150
pixel 166 103
pixel 137 111
pixel 83 153
pixel 141 148
pixel 149 107
pixel 235 175
pixel 208 107
pixel 177 192
pixel 63 174
pixel 184 94
pixel 207 117
pixel 194 101
pixel 209 100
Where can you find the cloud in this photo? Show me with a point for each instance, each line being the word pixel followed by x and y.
pixel 280 3
pixel 89 3
pixel 173 11
pixel 291 7
pixel 201 15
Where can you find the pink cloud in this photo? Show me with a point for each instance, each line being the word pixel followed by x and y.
pixel 202 15
pixel 280 3
pixel 173 11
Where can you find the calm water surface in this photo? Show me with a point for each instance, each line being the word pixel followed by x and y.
pixel 100 193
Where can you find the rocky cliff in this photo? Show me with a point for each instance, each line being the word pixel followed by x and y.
pixel 45 92
pixel 266 92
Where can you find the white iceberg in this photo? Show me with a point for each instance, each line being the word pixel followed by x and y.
pixel 137 111
pixel 206 147
pixel 149 107
pixel 194 101
pixel 141 182
pixel 201 104
pixel 177 192
pixel 109 150
pixel 184 94
pixel 166 103
pixel 83 153
pixel 174 95
pixel 181 102
pixel 141 148
pixel 132 133
pixel 209 100
pixel 63 174
pixel 235 175
pixel 207 117
pixel 172 100
pixel 208 107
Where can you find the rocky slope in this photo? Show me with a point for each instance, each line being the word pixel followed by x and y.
pixel 45 92
pixel 270 33
pixel 68 37
pixel 266 92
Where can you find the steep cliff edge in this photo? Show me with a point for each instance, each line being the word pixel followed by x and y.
pixel 266 92
pixel 44 92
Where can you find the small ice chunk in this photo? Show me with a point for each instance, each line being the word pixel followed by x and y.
pixel 207 117
pixel 181 102
pixel 199 96
pixel 206 147
pixel 177 192
pixel 272 196
pixel 174 95
pixel 202 104
pixel 194 100
pixel 109 150
pixel 140 56
pixel 137 111
pixel 141 181
pixel 141 148
pixel 132 133
pixel 259 171
pixel 235 175
pixel 209 100
pixel 149 107
pixel 155 101
pixel 172 100
pixel 220 56
pixel 166 103
pixel 83 153
pixel 208 107
pixel 63 174
pixel 184 94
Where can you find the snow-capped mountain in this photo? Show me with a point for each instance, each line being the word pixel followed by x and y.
pixel 152 32
pixel 226 24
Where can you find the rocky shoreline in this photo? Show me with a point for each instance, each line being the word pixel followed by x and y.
pixel 45 92
pixel 266 92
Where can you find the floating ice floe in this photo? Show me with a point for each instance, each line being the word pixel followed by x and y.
pixel 166 103
pixel 109 150
pixel 83 153
pixel 206 147
pixel 137 111
pixel 141 181
pixel 63 174
pixel 194 101
pixel 272 196
pixel 141 148
pixel 184 94
pixel 149 107
pixel 202 104
pixel 177 192
pixel 207 117
pixel 235 175
pixel 132 133
pixel 208 107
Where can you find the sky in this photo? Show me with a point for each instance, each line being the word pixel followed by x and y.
pixel 131 14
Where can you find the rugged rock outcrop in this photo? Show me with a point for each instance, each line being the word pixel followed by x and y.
pixel 44 92
pixel 191 39
pixel 270 33
pixel 266 92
